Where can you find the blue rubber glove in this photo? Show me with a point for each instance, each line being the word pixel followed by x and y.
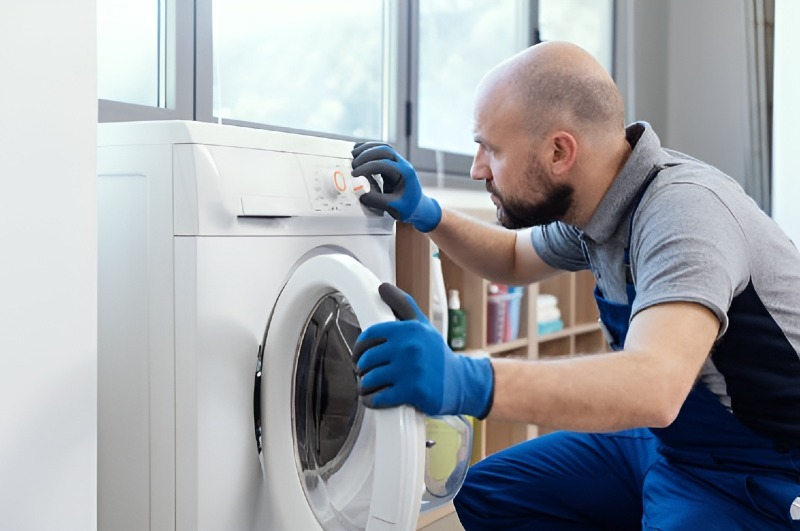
pixel 407 362
pixel 402 195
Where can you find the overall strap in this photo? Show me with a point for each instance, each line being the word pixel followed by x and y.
pixel 629 285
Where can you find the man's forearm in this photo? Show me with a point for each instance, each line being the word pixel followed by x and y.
pixel 644 385
pixel 486 250
pixel 596 393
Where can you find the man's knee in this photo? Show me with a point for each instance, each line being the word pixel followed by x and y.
pixel 473 506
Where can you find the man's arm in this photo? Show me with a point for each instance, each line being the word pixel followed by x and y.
pixel 490 251
pixel 644 385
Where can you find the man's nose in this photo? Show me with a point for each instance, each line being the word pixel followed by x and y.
pixel 473 171
pixel 479 170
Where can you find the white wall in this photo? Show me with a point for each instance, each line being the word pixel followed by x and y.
pixel 689 77
pixel 708 101
pixel 642 60
pixel 48 355
pixel 786 112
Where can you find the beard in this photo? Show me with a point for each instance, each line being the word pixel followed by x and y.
pixel 517 213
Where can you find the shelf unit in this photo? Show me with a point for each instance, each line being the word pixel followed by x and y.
pixel 581 333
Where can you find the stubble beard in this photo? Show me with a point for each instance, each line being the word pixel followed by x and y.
pixel 516 213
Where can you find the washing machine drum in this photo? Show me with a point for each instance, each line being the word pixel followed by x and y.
pixel 329 462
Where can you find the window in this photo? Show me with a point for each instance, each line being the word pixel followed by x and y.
pixel 458 43
pixel 313 65
pixel 145 59
pixel 404 71
pixel 129 52
pixel 587 23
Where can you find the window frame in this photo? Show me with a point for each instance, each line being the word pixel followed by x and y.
pixel 176 73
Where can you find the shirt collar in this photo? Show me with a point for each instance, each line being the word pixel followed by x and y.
pixel 614 206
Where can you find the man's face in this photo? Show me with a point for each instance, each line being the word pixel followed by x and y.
pixel 510 159
pixel 536 201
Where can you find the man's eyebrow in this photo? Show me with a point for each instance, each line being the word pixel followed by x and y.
pixel 483 142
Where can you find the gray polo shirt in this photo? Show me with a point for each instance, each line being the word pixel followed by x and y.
pixel 698 237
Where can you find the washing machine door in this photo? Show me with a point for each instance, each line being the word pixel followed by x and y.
pixel 329 462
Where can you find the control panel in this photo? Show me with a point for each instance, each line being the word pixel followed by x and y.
pixel 331 187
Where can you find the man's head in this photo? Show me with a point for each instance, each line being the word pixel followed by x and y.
pixel 550 129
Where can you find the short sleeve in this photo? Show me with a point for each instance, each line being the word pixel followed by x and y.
pixel 559 245
pixel 687 246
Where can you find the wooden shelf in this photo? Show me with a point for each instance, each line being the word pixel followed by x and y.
pixel 585 328
pixel 567 332
pixel 502 348
pixel 552 336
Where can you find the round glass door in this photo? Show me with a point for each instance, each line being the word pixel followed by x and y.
pixel 328 414
pixel 330 463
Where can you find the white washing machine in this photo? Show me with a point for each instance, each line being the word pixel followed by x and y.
pixel 236 268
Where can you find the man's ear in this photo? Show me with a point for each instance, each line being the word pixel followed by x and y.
pixel 564 152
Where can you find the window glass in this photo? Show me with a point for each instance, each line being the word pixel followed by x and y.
pixel 307 64
pixel 128 59
pixel 459 41
pixel 587 23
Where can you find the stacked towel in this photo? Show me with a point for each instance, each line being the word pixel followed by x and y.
pixel 548 316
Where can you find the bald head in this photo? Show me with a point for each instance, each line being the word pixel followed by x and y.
pixel 557 85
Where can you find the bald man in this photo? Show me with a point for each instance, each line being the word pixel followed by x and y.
pixel 693 421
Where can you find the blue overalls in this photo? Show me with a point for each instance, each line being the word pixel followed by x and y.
pixel 706 471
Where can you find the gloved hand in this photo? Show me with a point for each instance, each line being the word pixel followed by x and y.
pixel 402 195
pixel 407 362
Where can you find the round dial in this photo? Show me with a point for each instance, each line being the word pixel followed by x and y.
pixel 335 184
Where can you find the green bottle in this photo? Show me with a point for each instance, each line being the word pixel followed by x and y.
pixel 456 322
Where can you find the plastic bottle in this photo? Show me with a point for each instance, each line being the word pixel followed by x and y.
pixel 439 312
pixel 457 319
